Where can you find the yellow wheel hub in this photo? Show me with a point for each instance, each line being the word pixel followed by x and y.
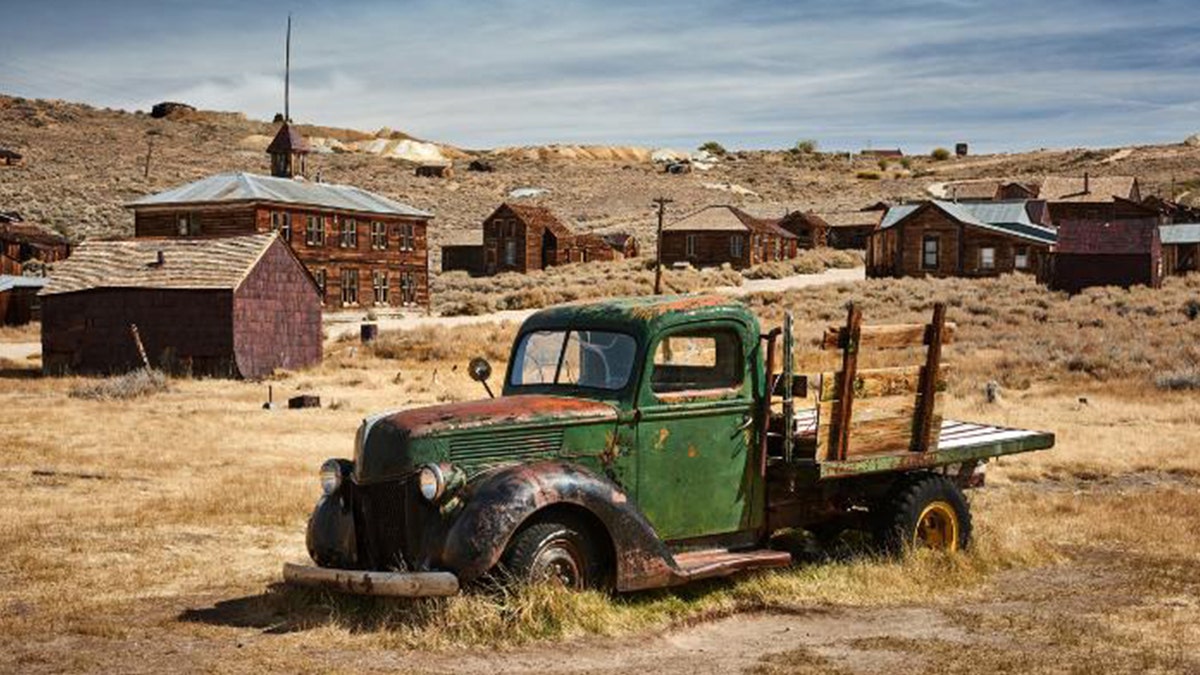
pixel 937 527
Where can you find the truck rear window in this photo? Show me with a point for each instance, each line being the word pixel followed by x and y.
pixel 592 359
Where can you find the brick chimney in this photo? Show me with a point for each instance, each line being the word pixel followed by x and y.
pixel 1087 184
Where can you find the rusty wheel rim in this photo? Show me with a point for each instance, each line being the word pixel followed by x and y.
pixel 937 527
pixel 560 563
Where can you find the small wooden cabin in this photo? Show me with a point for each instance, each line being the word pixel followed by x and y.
pixel 810 229
pixel 851 229
pixel 946 239
pixel 19 299
pixel 1180 248
pixel 1094 198
pixel 22 243
pixel 1121 253
pixel 522 238
pixel 723 234
pixel 238 306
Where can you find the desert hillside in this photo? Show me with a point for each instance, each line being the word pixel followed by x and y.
pixel 83 163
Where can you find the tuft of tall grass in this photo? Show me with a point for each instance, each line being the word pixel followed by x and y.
pixel 134 384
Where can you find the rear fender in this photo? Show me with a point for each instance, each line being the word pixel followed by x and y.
pixel 497 504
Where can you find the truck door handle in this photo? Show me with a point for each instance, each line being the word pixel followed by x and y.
pixel 747 421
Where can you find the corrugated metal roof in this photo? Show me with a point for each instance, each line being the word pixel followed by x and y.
pixel 216 263
pixel 9 282
pixel 241 187
pixel 1180 233
pixel 1009 217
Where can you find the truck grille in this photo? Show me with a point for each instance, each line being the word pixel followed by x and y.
pixel 392 519
pixel 518 444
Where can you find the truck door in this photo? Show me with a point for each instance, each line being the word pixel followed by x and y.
pixel 695 433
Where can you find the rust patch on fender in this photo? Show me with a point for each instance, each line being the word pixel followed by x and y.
pixel 528 408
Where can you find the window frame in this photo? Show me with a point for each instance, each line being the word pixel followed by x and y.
pixel 737 390
pixel 937 251
pixel 737 245
pixel 314 230
pixel 321 276
pixel 689 245
pixel 379 287
pixel 379 238
pixel 349 289
pixel 1021 257
pixel 984 263
pixel 347 229
pixel 631 378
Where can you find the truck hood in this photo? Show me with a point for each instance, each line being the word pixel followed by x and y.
pixel 509 428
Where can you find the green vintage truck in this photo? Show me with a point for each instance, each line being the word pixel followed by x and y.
pixel 648 442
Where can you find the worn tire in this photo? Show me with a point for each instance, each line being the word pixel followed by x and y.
pixel 924 511
pixel 555 551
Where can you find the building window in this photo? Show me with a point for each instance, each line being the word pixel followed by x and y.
pixel 188 225
pixel 737 246
pixel 408 288
pixel 510 253
pixel 348 233
pixel 691 245
pixel 314 231
pixel 349 287
pixel 379 284
pixel 321 277
pixel 778 248
pixel 281 222
pixel 929 253
pixel 379 235
pixel 987 258
pixel 408 239
pixel 1021 258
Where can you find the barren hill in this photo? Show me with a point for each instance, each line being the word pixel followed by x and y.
pixel 83 163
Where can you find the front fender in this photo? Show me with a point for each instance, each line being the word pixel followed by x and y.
pixel 498 503
pixel 330 537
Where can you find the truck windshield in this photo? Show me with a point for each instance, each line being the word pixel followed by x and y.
pixel 578 358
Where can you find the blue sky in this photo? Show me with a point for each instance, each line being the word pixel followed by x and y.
pixel 916 74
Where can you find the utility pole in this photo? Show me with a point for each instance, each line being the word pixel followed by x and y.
pixel 661 202
pixel 287 72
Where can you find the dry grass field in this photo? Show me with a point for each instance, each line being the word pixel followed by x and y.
pixel 146 535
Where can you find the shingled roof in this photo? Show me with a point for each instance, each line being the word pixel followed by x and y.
pixel 217 263
pixel 288 140
pixel 28 233
pixel 538 216
pixel 725 218
pixel 1087 188
pixel 249 187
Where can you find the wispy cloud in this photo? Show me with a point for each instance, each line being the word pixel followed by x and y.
pixel 751 74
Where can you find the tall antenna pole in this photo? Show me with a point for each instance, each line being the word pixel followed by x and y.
pixel 287 72
pixel 661 202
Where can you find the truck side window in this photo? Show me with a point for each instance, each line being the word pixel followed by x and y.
pixel 708 359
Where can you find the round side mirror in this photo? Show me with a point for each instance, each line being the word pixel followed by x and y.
pixel 480 369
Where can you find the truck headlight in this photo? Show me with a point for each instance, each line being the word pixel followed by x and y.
pixel 331 476
pixel 432 482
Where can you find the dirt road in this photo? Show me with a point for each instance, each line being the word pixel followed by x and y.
pixel 347 323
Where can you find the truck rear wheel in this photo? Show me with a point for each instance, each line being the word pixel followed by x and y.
pixel 554 552
pixel 928 512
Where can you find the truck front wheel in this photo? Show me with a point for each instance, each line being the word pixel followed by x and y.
pixel 928 512
pixel 553 552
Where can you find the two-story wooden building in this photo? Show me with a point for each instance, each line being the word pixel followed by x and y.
pixel 363 249
pixel 716 235
pixel 965 239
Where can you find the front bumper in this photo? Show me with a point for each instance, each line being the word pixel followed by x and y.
pixel 359 582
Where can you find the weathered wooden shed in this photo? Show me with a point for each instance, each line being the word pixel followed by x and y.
pixel 463 252
pixel 227 307
pixel 22 242
pixel 19 299
pixel 1180 248
pixel 965 239
pixel 522 238
pixel 811 230
pixel 1107 253
pixel 723 234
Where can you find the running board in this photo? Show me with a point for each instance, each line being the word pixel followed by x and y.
pixel 720 562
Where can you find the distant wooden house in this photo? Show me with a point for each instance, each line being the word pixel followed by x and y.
pixel 463 252
pixel 625 245
pixel 718 235
pixel 1172 211
pixel 23 243
pixel 851 229
pixel 988 190
pixel 435 171
pixel 1121 253
pixel 230 306
pixel 522 238
pixel 1180 248
pixel 1094 198
pixel 364 249
pixel 810 229
pixel 19 299
pixel 946 239
pixel 11 157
